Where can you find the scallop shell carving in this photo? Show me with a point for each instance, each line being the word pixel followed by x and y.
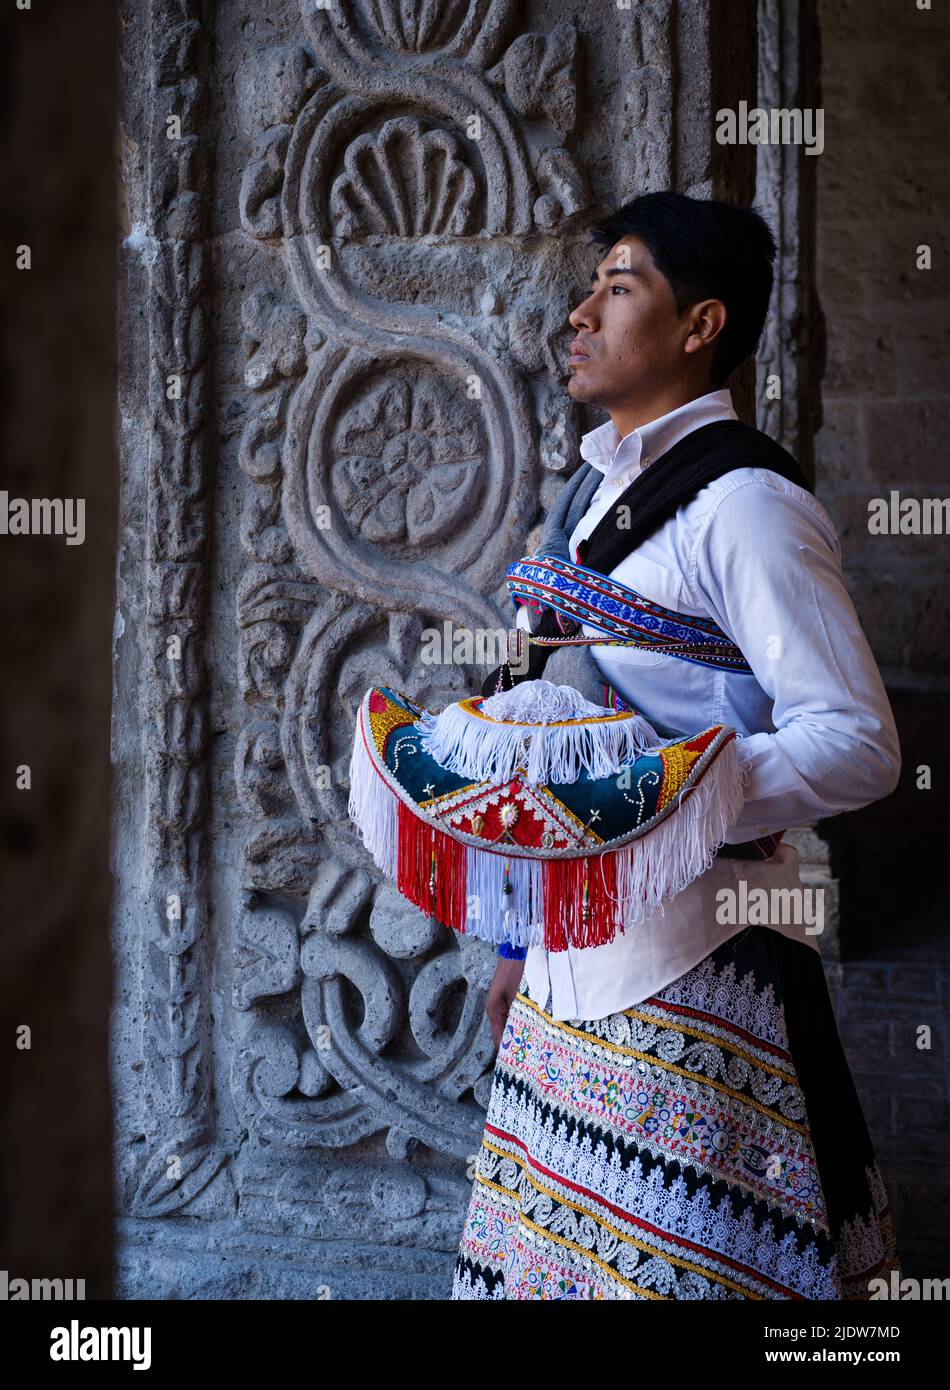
pixel 403 181
pixel 425 25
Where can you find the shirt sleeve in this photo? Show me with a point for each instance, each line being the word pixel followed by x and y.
pixel 769 570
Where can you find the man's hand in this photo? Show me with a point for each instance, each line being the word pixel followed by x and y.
pixel 503 988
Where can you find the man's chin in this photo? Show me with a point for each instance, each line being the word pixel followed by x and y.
pixel 580 387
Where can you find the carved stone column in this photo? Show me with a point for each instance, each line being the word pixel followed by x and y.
pixel 357 261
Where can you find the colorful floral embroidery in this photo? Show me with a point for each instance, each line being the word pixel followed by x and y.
pixel 661 1152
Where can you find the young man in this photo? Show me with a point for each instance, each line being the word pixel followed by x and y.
pixel 672 1114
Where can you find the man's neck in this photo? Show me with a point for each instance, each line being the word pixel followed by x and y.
pixel 634 415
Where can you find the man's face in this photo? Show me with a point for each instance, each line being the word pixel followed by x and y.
pixel 630 340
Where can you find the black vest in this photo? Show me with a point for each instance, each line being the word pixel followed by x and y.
pixel 672 480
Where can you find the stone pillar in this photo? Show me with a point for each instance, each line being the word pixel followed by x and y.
pixel 356 261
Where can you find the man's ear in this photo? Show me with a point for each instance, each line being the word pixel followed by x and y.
pixel 707 319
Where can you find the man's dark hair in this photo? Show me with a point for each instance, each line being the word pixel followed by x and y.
pixel 706 250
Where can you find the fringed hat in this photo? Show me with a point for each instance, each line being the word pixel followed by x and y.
pixel 534 817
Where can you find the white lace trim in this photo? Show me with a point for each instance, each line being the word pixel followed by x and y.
pixel 709 1223
pixel 541 702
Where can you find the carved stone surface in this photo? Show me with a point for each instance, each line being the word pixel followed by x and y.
pixel 791 355
pixel 358 258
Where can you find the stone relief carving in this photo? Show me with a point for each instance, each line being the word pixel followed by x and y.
pixel 405 471
pixel 182 1152
pixel 392 462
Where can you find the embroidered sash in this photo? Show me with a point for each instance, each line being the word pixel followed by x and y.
pixel 626 617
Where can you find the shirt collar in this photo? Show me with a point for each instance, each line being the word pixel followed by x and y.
pixel 604 449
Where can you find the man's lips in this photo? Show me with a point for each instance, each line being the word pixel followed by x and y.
pixel 578 354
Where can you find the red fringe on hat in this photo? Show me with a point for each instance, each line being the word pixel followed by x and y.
pixel 569 885
pixel 417 841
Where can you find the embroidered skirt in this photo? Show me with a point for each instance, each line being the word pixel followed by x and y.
pixel 707 1143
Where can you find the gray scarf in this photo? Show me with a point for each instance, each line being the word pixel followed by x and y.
pixel 572 503
pixel 571 665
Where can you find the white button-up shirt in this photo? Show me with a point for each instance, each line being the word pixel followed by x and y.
pixel 761 557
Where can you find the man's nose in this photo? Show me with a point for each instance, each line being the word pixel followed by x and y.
pixel 583 316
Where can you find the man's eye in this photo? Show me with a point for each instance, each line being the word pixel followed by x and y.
pixel 615 288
